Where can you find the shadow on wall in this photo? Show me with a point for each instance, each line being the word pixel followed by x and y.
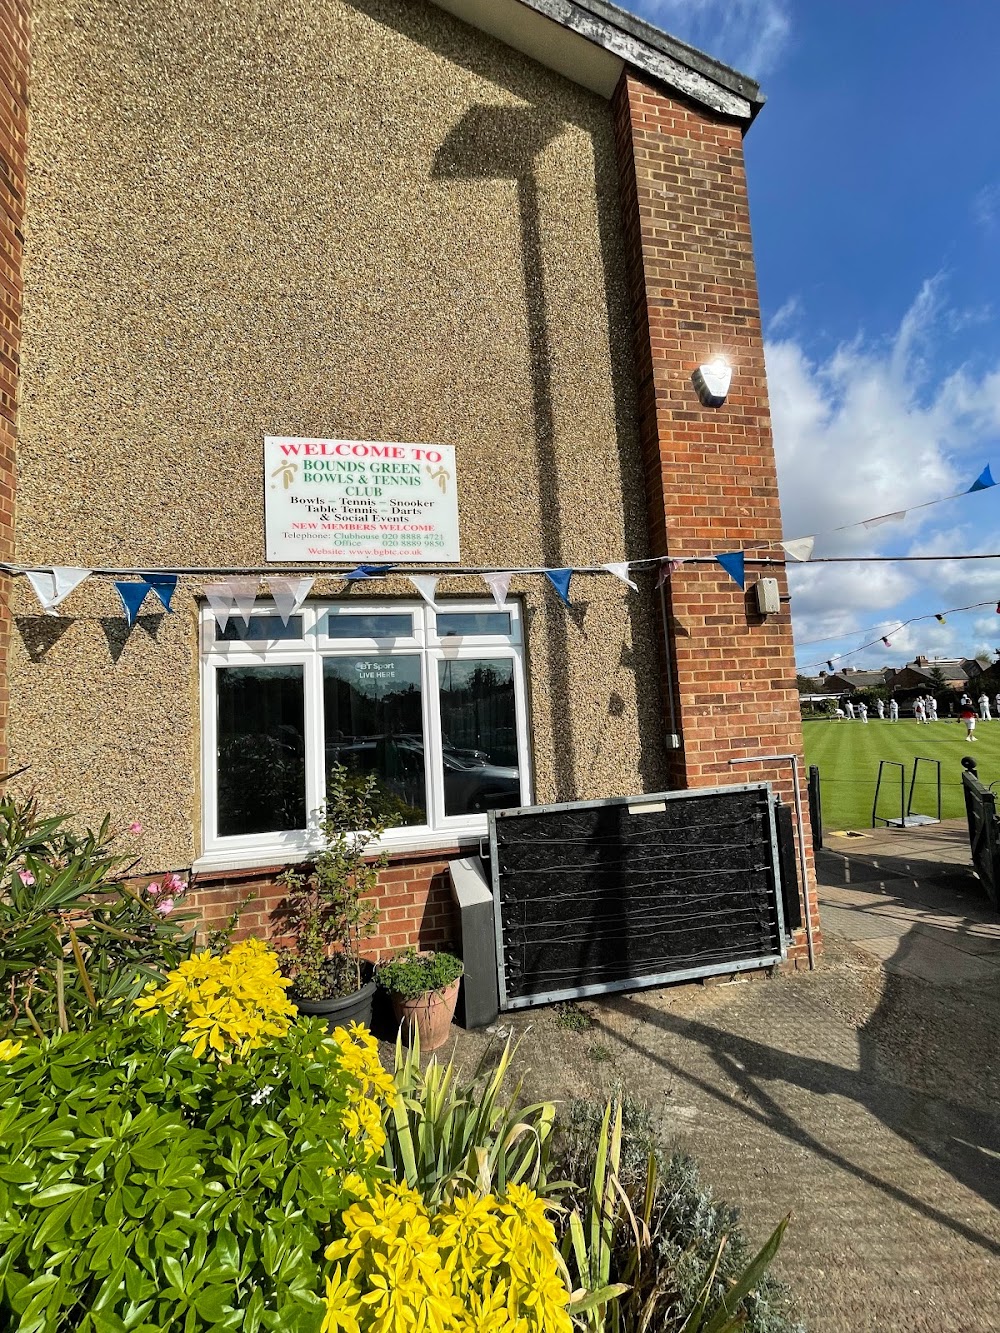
pixel 502 143
pixel 40 633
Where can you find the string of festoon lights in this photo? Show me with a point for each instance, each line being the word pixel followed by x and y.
pixel 897 627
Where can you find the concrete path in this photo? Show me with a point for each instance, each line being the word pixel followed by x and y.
pixel 863 1097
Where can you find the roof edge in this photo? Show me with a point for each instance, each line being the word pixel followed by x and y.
pixel 592 41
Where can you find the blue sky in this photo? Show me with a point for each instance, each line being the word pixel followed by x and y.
pixel 874 176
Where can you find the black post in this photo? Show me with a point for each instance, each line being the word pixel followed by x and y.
pixel 815 808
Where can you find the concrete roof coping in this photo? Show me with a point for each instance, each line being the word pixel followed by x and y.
pixel 592 41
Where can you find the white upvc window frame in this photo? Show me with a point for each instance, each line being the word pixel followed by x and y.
pixel 309 651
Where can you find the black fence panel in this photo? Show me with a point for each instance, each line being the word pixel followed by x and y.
pixel 816 807
pixel 984 831
pixel 790 902
pixel 611 895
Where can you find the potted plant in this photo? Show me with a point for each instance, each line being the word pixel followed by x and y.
pixel 423 988
pixel 327 914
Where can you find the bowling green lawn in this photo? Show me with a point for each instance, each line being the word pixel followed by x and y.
pixel 848 755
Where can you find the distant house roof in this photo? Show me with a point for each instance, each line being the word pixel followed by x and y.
pixel 844 681
pixel 591 42
pixel 952 668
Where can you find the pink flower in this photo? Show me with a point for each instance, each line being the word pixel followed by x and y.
pixel 153 889
pixel 173 884
pixel 165 906
pixel 27 878
pixel 135 826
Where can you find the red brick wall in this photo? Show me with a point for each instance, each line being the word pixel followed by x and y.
pixel 14 32
pixel 414 895
pixel 711 484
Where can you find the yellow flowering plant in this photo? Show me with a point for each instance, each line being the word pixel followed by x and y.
pixel 476 1264
pixel 203 1188
pixel 230 1005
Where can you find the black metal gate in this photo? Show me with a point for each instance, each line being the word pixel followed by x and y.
pixel 984 832
pixel 611 895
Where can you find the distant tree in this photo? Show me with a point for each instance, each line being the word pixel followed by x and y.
pixel 939 679
pixel 807 685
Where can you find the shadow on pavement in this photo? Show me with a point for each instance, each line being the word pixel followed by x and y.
pixel 963 1141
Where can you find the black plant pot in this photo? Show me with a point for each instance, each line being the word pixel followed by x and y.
pixel 342 1009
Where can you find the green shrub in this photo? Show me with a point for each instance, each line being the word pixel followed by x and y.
pixel 441 1133
pixel 693 1252
pixel 142 1189
pixel 76 941
pixel 410 975
pixel 330 912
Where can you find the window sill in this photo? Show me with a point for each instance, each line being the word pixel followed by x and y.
pixel 277 857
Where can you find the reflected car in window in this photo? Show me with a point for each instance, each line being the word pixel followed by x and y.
pixel 472 783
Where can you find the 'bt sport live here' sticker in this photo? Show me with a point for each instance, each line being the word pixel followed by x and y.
pixel 359 500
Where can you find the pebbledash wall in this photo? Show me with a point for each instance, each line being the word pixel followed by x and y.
pixel 369 219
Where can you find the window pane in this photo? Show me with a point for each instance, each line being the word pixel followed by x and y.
pixel 374 724
pixel 479 732
pixel 260 628
pixel 369 627
pixel 261 749
pixel 472 622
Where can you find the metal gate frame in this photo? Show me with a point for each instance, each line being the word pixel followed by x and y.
pixel 635 804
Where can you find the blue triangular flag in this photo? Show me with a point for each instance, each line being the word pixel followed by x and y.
pixel 367 572
pixel 732 563
pixel 133 595
pixel 559 578
pixel 164 586
pixel 983 482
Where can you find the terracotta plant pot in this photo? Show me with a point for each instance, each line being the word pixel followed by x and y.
pixel 431 1013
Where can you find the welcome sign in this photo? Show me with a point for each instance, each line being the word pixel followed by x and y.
pixel 359 500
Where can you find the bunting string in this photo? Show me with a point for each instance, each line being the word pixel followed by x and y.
pixel 237 589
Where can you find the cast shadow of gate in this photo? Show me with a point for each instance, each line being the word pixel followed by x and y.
pixel 962 1140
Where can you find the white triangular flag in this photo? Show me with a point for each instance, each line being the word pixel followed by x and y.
pixel 877 522
pixel 244 593
pixel 289 594
pixel 220 599
pixel 498 585
pixel 800 548
pixel 426 586
pixel 51 586
pixel 620 570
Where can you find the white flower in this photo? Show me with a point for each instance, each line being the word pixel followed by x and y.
pixel 261 1095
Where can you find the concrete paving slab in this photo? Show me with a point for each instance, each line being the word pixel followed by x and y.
pixel 933 960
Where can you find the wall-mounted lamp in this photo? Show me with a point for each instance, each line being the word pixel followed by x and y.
pixel 712 381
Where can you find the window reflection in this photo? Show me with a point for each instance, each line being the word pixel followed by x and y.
pixel 479 733
pixel 374 724
pixel 460 623
pixel 260 750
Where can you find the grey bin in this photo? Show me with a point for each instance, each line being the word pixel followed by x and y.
pixel 479 1004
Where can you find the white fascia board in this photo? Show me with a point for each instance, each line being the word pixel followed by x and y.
pixel 551 44
pixel 588 50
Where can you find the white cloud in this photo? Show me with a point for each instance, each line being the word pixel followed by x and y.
pixel 750 35
pixel 986 207
pixel 875 427
pixel 784 316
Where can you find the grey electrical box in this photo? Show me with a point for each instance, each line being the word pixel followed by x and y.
pixel 767 596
